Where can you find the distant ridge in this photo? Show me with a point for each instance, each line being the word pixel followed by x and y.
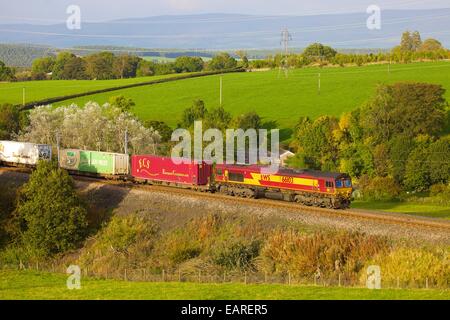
pixel 231 31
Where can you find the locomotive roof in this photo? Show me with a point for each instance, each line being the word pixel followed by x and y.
pixel 315 173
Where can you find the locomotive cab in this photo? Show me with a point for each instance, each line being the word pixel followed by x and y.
pixel 344 186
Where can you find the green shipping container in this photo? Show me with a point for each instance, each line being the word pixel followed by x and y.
pixel 102 163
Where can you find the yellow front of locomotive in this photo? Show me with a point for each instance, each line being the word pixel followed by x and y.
pixel 344 191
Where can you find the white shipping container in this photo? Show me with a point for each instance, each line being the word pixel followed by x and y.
pixel 23 152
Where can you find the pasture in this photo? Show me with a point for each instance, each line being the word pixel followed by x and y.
pixel 30 285
pixel 12 92
pixel 414 208
pixel 273 96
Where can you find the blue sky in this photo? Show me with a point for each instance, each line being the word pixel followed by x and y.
pixel 54 11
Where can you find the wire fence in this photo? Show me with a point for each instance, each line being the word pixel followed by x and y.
pixel 202 277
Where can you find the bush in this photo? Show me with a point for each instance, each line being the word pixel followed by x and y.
pixel 24 76
pixel 9 121
pixel 379 188
pixel 188 64
pixel 222 61
pixel 15 254
pixel 304 255
pixel 123 243
pixel 49 214
pixel 184 252
pixel 7 205
pixel 181 245
pixel 412 266
pixel 439 189
pixel 237 255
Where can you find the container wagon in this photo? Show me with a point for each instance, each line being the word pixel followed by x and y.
pixel 94 163
pixel 14 153
pixel 164 171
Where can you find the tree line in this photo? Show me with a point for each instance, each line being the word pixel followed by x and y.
pixel 411 48
pixel 106 66
pixel 398 141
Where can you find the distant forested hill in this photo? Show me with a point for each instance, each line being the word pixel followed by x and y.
pixel 231 31
pixel 22 55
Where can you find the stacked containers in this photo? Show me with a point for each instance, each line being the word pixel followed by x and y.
pixel 24 153
pixel 152 168
pixel 94 162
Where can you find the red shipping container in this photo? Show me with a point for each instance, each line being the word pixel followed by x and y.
pixel 160 169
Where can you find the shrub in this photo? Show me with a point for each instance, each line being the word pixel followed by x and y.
pixel 222 61
pixel 380 188
pixel 124 242
pixel 412 266
pixel 439 189
pixel 50 216
pixel 7 199
pixel 181 245
pixel 184 253
pixel 304 255
pixel 14 254
pixel 237 255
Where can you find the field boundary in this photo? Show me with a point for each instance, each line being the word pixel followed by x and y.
pixel 33 104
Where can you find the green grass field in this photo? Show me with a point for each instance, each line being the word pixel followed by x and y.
pixel 274 97
pixel 34 285
pixel 412 208
pixel 12 92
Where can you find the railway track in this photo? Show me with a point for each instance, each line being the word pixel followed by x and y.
pixel 352 214
pixel 373 216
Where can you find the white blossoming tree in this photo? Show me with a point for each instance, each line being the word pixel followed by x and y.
pixel 94 127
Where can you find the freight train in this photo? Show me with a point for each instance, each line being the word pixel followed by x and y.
pixel 307 187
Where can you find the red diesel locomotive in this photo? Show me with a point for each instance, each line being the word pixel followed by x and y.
pixel 311 188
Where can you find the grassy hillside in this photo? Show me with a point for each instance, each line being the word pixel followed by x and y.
pixel 38 90
pixel 274 97
pixel 34 285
